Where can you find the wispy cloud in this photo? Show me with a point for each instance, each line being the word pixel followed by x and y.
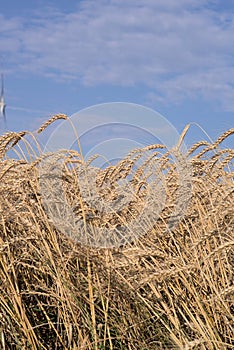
pixel 178 49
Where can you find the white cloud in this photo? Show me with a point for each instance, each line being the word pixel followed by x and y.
pixel 215 84
pixel 176 48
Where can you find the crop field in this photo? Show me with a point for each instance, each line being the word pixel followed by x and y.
pixel 165 282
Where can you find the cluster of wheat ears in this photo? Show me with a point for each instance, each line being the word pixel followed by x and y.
pixel 171 288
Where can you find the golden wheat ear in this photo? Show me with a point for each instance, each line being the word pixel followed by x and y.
pixel 52 120
pixel 182 136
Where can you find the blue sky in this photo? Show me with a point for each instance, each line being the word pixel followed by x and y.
pixel 176 57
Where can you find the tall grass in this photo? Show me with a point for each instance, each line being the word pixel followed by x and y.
pixel 170 289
